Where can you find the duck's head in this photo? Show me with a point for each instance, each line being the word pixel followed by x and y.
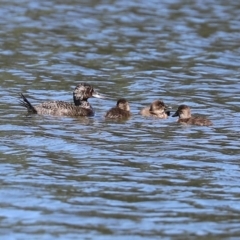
pixel 183 112
pixel 123 104
pixel 82 92
pixel 159 107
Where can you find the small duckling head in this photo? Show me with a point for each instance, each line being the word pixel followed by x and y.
pixel 158 108
pixel 123 104
pixel 183 112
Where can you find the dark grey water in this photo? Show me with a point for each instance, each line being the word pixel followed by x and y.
pixel 66 178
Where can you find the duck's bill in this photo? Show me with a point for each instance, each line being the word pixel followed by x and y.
pixel 175 114
pixel 97 95
pixel 168 113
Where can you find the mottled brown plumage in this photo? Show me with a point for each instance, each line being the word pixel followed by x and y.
pixel 185 117
pixel 81 106
pixel 121 111
pixel 156 109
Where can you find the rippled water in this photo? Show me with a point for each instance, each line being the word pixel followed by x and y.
pixel 89 178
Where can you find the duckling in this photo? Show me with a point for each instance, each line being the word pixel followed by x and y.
pixel 121 111
pixel 156 109
pixel 185 117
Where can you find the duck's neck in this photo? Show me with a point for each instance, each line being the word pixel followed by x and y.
pixel 79 102
pixel 85 104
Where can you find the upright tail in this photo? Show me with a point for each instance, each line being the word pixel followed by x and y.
pixel 25 103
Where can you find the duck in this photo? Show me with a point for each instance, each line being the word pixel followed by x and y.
pixel 80 107
pixel 120 111
pixel 156 109
pixel 185 117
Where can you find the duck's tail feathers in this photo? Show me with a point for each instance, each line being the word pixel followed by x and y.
pixel 25 103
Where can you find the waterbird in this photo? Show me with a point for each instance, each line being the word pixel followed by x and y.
pixel 80 107
pixel 185 117
pixel 120 111
pixel 156 109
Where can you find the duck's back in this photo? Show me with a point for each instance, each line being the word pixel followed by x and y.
pixel 117 113
pixel 194 120
pixel 146 112
pixel 60 108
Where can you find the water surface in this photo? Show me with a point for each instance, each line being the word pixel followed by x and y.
pixel 88 178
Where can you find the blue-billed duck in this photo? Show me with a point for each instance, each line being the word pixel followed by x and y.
pixel 80 107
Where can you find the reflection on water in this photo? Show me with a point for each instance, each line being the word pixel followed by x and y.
pixel 145 178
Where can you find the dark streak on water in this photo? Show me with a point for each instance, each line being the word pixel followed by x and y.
pixel 144 178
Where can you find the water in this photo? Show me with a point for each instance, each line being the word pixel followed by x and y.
pixel 89 178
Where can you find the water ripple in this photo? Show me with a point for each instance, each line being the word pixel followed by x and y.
pixel 144 178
